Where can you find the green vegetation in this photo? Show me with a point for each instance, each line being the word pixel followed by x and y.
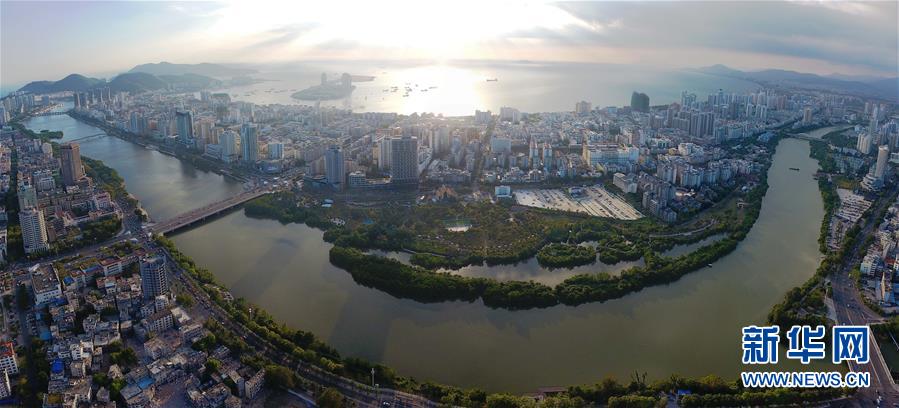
pixel 330 398
pixel 838 138
pixel 92 232
pixel 125 358
pixel 887 335
pixel 506 233
pixel 44 135
pixel 707 391
pixel 106 178
pixel 36 369
pixel 557 255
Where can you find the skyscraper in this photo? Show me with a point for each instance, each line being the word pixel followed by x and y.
pixel 640 102
pixel 70 158
pixel 864 144
pixel 275 151
pixel 154 281
pixel 248 143
pixel 185 123
pixel 34 230
pixel 335 171
pixel 228 141
pixel 582 107
pixel 27 196
pixel 404 160
pixel 883 155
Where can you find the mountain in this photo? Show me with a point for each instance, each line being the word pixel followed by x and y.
pixel 133 82
pixel 136 82
pixel 193 81
pixel 883 88
pixel 73 82
pixel 206 69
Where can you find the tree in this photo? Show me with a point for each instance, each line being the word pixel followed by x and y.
pixel 330 398
pixel 277 376
pixel 125 358
pixel 184 300
pixel 509 401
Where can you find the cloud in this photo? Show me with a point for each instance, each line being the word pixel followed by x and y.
pixel 842 33
pixel 281 36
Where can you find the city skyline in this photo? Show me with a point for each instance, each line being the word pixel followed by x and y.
pixel 818 37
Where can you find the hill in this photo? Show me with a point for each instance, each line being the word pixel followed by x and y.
pixel 73 82
pixel 136 82
pixel 885 88
pixel 205 69
pixel 133 82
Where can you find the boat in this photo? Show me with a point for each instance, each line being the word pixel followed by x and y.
pixel 492 79
pixel 709 265
pixel 794 168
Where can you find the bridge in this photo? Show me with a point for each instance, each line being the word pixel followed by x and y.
pixel 202 213
pixel 51 113
pixel 88 137
pixel 805 136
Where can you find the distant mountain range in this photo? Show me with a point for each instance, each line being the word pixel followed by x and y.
pixel 133 82
pixel 206 69
pixel 885 88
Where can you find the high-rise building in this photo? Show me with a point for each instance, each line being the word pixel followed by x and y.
pixel 384 153
pixel 27 196
pixel 335 171
pixel 807 115
pixel 864 143
pixel 5 388
pixel 228 142
pixel 276 151
pixel 249 143
pixel 640 102
pixel 404 160
pixel 509 114
pixel 34 230
pixel 154 281
pixel 8 362
pixel 70 158
pixel 883 155
pixel 185 124
pixel 582 107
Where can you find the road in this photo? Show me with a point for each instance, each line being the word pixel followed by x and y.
pixel 851 310
pixel 360 394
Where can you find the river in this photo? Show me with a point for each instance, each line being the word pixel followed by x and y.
pixel 691 327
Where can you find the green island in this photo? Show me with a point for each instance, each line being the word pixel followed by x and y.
pixel 566 255
pixel 326 91
pixel 506 233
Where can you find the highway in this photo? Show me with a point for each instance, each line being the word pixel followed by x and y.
pixel 851 310
pixel 361 395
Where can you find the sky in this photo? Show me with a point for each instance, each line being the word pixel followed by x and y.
pixel 48 40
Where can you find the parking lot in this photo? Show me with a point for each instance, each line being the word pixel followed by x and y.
pixel 595 201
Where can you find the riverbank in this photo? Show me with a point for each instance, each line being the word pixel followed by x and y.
pixel 91 232
pixel 284 269
pixel 707 391
pixel 180 153
pixel 503 234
